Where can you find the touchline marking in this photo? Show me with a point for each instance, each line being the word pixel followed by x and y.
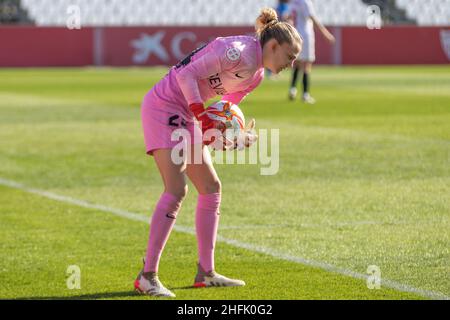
pixel 264 250
pixel 310 225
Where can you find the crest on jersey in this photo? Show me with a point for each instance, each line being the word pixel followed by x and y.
pixel 445 42
pixel 233 54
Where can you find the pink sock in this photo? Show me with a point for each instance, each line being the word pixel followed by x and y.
pixel 206 224
pixel 162 223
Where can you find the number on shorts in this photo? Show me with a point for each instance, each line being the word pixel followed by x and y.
pixel 173 121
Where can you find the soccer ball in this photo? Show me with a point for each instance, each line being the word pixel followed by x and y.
pixel 228 113
pixel 231 115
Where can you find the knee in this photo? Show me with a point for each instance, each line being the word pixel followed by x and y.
pixel 179 191
pixel 307 68
pixel 214 186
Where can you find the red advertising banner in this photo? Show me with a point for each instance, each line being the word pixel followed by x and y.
pixel 45 47
pixel 148 46
pixel 396 45
pixel 157 46
pixel 169 45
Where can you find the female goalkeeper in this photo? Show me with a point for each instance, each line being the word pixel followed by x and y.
pixel 230 67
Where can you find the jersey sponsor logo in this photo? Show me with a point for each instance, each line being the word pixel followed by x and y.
pixel 216 84
pixel 233 54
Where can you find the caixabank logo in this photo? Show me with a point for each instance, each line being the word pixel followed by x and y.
pixel 170 45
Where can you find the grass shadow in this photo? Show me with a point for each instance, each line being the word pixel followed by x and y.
pixel 91 296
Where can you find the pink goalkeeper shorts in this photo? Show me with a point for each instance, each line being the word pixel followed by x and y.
pixel 160 120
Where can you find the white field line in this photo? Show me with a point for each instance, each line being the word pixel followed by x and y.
pixel 251 247
pixel 308 225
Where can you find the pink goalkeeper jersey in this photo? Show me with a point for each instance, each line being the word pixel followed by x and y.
pixel 230 67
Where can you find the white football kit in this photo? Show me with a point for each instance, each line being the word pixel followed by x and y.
pixel 303 10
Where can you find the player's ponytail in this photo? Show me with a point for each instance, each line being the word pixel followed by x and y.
pixel 267 17
pixel 268 27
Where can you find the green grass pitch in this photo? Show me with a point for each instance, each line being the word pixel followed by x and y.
pixel 364 179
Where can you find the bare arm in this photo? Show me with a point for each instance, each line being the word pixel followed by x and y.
pixel 327 34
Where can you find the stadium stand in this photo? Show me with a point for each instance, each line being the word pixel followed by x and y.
pixel 215 13
pixel 181 12
pixel 12 13
pixel 427 12
pixel 390 12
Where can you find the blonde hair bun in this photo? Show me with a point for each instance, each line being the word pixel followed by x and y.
pixel 268 16
pixel 268 27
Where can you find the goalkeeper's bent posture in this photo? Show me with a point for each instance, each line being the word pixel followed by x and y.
pixel 230 67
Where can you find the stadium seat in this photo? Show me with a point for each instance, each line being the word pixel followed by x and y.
pixel 213 12
pixel 427 12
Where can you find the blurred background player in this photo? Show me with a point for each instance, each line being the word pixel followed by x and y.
pixel 303 13
pixel 231 67
pixel 283 13
pixel 283 10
